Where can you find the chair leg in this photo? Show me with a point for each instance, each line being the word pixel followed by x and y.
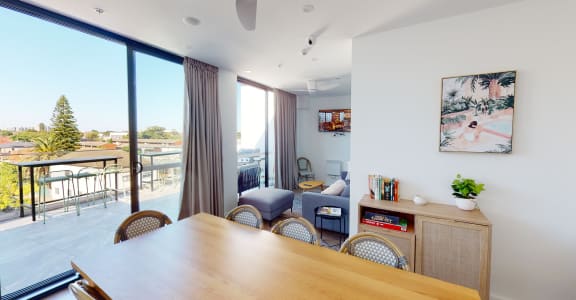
pixel 76 195
pixel 64 198
pixel 44 205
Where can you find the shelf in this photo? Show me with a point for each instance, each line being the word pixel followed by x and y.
pixel 434 210
pixel 401 234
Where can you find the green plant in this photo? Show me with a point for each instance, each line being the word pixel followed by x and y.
pixel 466 188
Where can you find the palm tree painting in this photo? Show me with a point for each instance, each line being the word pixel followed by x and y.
pixel 477 112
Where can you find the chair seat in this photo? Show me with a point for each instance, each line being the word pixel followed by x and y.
pixel 84 175
pixel 52 179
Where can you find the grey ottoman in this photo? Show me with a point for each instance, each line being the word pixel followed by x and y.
pixel 270 202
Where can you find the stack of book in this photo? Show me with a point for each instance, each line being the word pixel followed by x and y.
pixel 385 221
pixel 383 188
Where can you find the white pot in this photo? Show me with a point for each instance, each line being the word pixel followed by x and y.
pixel 465 204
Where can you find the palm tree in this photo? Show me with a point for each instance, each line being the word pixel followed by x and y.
pixel 46 146
pixel 491 81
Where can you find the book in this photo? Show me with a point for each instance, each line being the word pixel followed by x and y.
pixel 382 217
pixel 396 189
pixel 387 191
pixel 403 226
pixel 330 211
pixel 383 188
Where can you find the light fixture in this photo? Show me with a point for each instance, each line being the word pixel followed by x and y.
pixel 98 10
pixel 191 21
pixel 247 71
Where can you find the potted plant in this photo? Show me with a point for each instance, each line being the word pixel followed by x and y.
pixel 465 191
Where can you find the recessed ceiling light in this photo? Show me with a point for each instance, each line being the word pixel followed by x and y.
pixel 247 71
pixel 98 10
pixel 191 21
pixel 307 8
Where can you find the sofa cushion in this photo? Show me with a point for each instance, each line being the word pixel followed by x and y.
pixel 346 191
pixel 336 188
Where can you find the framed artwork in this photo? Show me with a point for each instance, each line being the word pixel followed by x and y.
pixel 477 113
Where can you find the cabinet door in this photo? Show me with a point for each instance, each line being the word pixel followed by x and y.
pixel 454 251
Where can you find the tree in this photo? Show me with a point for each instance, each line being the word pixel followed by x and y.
pixel 64 127
pixel 92 135
pixel 154 132
pixel 9 186
pixel 26 136
pixel 46 146
pixel 42 127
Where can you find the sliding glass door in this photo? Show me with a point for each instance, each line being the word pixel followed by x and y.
pixel 159 102
pixel 64 95
pixel 255 131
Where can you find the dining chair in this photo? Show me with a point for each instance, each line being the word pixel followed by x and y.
pixel 65 178
pixel 82 291
pixel 297 228
pixel 304 169
pixel 247 215
pixel 376 248
pixel 140 223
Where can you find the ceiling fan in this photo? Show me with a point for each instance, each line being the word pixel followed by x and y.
pixel 246 11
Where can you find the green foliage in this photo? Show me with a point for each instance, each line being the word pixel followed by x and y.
pixel 9 186
pixel 153 132
pixel 47 146
pixel 6 132
pixel 27 136
pixel 92 135
pixel 466 188
pixel 64 127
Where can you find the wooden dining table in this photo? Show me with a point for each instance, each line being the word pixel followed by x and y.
pixel 207 257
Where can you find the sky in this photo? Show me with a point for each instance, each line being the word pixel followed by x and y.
pixel 40 61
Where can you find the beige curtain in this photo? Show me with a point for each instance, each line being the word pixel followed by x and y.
pixel 201 189
pixel 285 134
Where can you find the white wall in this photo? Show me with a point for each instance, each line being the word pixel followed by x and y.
pixel 317 146
pixel 396 88
pixel 227 96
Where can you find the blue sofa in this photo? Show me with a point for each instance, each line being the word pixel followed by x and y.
pixel 311 200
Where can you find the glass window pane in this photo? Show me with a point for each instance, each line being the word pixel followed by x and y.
pixel 160 99
pixel 63 95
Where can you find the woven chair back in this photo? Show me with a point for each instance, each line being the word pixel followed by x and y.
pixel 298 229
pixel 246 215
pixel 140 223
pixel 376 248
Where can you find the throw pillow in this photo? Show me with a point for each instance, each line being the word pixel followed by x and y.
pixel 335 188
pixel 346 192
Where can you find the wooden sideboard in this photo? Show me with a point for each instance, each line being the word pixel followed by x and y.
pixel 441 241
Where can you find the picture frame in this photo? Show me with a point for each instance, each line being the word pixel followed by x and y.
pixel 477 113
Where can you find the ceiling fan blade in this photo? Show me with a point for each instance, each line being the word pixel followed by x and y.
pixel 246 11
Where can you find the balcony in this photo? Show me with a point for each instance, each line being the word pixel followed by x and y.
pixel 34 251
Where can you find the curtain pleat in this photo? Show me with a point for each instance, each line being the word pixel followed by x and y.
pixel 285 136
pixel 202 178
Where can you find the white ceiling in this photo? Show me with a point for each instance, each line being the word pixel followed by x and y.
pixel 272 51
